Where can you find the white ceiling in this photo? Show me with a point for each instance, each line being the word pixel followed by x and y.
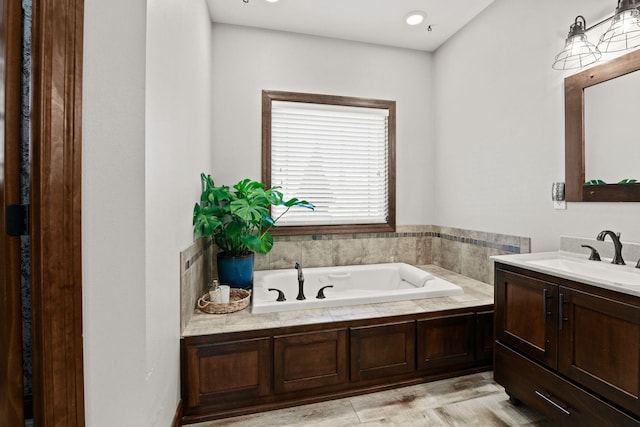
pixel 371 21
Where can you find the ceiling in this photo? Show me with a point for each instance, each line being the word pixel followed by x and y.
pixel 370 21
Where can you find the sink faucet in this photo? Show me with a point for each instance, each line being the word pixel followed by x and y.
pixel 617 258
pixel 300 282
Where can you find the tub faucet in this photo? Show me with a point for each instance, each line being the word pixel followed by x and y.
pixel 617 258
pixel 300 282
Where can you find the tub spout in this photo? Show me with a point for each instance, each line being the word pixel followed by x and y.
pixel 300 282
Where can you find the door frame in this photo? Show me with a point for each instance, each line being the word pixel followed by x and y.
pixel 55 214
pixel 11 373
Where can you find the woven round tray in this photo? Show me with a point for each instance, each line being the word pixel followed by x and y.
pixel 238 299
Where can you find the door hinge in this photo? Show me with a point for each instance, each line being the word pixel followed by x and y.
pixel 17 220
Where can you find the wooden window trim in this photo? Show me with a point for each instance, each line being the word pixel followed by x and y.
pixel 268 96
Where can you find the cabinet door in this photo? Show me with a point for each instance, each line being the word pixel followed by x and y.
pixel 310 360
pixel 526 315
pixel 446 342
pixel 382 350
pixel 226 374
pixel 600 346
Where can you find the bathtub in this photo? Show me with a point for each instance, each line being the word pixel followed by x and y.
pixel 351 285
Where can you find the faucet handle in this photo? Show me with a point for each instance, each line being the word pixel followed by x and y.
pixel 298 265
pixel 595 256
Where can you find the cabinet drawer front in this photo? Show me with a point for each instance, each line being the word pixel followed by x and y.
pixel 599 346
pixel 557 399
pixel 227 374
pixel 310 360
pixel 382 350
pixel 526 315
pixel 446 342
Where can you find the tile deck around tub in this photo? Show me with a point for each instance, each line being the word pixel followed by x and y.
pixel 475 293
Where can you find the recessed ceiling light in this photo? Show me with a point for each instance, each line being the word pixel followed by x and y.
pixel 415 18
pixel 272 1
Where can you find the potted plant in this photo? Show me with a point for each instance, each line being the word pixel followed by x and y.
pixel 239 220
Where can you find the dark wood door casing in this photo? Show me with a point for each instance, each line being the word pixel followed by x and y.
pixel 56 213
pixel 11 378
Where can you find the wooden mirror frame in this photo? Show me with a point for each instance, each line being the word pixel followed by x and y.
pixel 574 126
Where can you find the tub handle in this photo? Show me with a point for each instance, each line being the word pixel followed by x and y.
pixel 280 294
pixel 321 292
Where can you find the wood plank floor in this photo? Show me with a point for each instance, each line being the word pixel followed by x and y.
pixel 472 400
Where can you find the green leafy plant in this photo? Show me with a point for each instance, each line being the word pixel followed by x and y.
pixel 595 182
pixel 628 181
pixel 238 218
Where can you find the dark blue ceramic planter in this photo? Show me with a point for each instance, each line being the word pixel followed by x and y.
pixel 236 271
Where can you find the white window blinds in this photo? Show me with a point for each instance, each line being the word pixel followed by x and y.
pixel 333 156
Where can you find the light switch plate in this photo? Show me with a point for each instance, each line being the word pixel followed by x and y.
pixel 559 204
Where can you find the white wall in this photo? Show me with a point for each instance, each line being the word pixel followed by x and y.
pixel 145 139
pixel 500 126
pixel 113 212
pixel 247 60
pixel 178 147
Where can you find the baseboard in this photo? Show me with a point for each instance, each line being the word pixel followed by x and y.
pixel 177 418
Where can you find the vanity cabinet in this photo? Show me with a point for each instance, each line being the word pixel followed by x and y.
pixel 249 371
pixel 570 350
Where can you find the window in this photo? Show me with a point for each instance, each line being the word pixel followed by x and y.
pixel 336 152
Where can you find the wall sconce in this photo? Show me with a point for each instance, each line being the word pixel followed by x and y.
pixel 623 34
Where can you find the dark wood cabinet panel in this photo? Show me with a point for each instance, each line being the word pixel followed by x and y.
pixel 600 346
pixel 249 371
pixel 593 377
pixel 310 360
pixel 562 402
pixel 382 350
pixel 227 374
pixel 525 318
pixel 446 341
pixel 484 337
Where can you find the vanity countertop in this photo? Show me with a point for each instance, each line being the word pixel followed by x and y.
pixel 571 266
pixel 476 293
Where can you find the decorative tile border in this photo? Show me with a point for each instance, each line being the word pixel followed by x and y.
pixel 191 261
pixel 516 249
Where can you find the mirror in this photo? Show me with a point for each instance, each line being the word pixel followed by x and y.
pixel 602 149
pixel 611 135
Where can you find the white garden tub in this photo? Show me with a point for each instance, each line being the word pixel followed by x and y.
pixel 352 285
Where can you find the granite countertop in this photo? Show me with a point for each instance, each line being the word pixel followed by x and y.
pixel 476 293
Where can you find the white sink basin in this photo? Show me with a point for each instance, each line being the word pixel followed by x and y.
pixel 604 274
pixel 603 270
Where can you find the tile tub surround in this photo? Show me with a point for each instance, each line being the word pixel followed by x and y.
pixel 196 273
pixel 471 400
pixel 476 293
pixel 461 251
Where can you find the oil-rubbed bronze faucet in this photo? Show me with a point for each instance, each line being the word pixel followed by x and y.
pixel 300 282
pixel 617 258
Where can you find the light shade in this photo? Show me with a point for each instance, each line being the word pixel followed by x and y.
pixel 624 32
pixel 578 51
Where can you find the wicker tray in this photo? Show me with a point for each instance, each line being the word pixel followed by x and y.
pixel 238 300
